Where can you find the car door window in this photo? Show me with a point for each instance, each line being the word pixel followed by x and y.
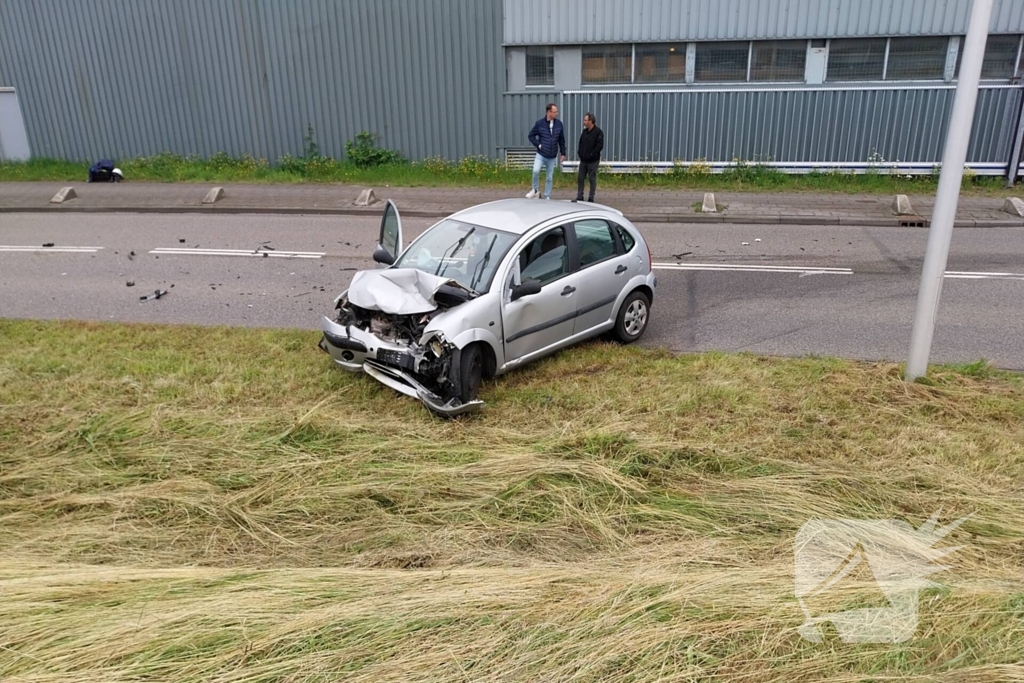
pixel 627 240
pixel 595 240
pixel 545 259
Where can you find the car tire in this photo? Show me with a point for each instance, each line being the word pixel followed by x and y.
pixel 634 315
pixel 469 377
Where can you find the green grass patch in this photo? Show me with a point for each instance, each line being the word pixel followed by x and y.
pixel 480 172
pixel 195 504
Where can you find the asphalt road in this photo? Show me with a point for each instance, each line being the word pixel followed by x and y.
pixel 717 303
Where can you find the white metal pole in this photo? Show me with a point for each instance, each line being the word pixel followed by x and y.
pixel 948 195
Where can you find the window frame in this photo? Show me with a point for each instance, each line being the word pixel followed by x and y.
pixel 707 44
pixel 828 61
pixel 670 46
pixel 597 46
pixel 569 255
pixel 551 56
pixel 803 72
pixel 616 247
pixel 886 75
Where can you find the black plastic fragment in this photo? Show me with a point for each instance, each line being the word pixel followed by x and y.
pixel 155 295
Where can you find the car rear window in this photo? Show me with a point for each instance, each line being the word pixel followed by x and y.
pixel 627 240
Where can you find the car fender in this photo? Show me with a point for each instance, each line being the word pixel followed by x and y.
pixel 479 335
pixel 634 283
pixel 478 320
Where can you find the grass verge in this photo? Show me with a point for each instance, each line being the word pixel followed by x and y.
pixel 197 504
pixel 480 172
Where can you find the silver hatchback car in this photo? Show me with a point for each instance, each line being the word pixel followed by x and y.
pixel 486 290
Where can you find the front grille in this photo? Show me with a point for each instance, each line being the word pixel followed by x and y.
pixel 396 359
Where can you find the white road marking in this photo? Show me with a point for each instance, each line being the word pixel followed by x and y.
pixel 60 250
pixel 183 251
pixel 752 268
pixel 968 275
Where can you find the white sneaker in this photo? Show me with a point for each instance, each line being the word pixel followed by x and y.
pixel 531 194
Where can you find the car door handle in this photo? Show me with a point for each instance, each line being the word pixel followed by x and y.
pixel 620 270
pixel 568 290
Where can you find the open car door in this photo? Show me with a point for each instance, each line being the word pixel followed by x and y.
pixel 389 243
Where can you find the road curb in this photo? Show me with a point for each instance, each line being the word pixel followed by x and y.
pixel 669 217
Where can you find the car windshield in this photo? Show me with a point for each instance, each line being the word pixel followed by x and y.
pixel 460 251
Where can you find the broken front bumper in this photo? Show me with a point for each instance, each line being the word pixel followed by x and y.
pixel 360 351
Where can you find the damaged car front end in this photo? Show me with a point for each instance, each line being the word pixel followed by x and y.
pixel 383 328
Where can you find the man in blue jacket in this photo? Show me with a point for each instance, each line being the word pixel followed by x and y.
pixel 548 139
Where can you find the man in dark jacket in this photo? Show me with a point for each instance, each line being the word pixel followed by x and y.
pixel 548 139
pixel 589 154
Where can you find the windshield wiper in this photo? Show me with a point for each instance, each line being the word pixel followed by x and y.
pixel 455 249
pixel 479 272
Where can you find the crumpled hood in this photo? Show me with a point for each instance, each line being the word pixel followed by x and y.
pixel 398 291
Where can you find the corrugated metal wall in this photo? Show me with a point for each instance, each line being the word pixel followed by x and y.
pixel 534 22
pixel 827 126
pixel 138 77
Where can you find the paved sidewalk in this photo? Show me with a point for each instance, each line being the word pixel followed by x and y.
pixel 638 205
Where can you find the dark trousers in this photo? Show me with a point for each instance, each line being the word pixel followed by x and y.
pixel 588 169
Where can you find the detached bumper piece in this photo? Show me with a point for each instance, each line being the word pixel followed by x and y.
pixel 404 383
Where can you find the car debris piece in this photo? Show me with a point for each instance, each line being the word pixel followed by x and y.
pixel 685 253
pixel 181 240
pixel 745 244
pixel 758 239
pixel 48 244
pixel 130 283
pixel 155 295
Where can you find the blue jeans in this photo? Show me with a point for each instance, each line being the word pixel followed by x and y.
pixel 549 164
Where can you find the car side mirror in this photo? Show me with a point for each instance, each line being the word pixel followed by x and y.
pixel 528 288
pixel 382 255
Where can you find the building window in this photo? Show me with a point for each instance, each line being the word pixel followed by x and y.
pixel 604 64
pixel 856 60
pixel 778 60
pixel 540 65
pixel 661 63
pixel 721 62
pixel 917 59
pixel 1000 57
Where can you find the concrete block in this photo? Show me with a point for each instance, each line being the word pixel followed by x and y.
pixel 214 195
pixel 901 205
pixel 709 205
pixel 366 198
pixel 65 194
pixel 1014 207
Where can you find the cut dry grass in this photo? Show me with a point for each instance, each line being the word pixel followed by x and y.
pixel 221 505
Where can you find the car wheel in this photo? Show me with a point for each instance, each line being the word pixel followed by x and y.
pixel 634 315
pixel 470 373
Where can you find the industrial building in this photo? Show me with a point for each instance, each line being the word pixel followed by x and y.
pixel 799 84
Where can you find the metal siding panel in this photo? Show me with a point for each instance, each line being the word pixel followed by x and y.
pixel 594 21
pixel 821 126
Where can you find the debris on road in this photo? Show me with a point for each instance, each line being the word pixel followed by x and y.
pixel 48 244
pixel 685 253
pixel 181 240
pixel 130 283
pixel 155 295
pixel 745 244
pixel 758 239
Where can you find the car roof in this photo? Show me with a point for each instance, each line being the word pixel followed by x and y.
pixel 520 215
